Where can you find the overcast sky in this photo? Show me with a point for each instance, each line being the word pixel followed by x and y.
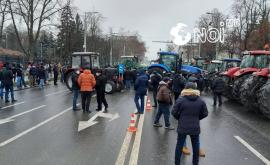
pixel 153 19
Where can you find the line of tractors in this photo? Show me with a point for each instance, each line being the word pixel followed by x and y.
pixel 247 80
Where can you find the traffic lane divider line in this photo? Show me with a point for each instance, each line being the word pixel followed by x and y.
pixel 254 151
pixel 34 128
pixel 12 105
pixel 137 142
pixel 25 112
pixel 124 148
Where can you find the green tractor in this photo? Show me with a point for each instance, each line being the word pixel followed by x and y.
pixel 130 62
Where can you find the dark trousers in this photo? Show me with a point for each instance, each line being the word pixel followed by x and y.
pixel 75 97
pixel 55 76
pixel 195 147
pixel 101 99
pixel 140 107
pixel 86 99
pixel 176 95
pixel 165 110
pixel 219 96
pixel 155 96
pixel 9 88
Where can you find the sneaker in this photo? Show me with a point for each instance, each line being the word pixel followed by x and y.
pixel 13 101
pixel 186 151
pixel 7 101
pixel 201 153
pixel 157 125
pixel 98 109
pixel 105 110
pixel 169 128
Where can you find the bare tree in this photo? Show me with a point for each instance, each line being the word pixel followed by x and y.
pixel 3 16
pixel 34 15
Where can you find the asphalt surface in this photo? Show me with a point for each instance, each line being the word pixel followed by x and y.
pixel 45 132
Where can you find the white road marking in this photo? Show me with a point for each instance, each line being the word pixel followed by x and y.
pixel 137 142
pixel 57 92
pixel 12 105
pixel 11 118
pixel 85 124
pixel 255 152
pixel 124 148
pixel 33 128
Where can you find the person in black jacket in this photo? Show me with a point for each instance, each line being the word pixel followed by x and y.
pixel 75 88
pixel 178 84
pixel 101 81
pixel 155 78
pixel 41 76
pixel 189 110
pixel 55 74
pixel 128 78
pixel 218 86
pixel 7 80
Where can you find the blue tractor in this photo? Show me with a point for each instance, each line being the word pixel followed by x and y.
pixel 168 62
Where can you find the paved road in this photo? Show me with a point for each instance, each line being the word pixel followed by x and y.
pixel 44 131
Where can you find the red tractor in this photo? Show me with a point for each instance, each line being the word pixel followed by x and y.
pixel 235 77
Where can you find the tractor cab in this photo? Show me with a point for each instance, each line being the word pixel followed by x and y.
pixel 228 63
pixel 130 62
pixel 84 60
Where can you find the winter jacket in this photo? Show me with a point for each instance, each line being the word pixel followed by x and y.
pixel 86 81
pixel 141 84
pixel 178 83
pixel 101 83
pixel 19 72
pixel 218 85
pixel 189 109
pixel 164 95
pixel 128 75
pixel 55 70
pixel 33 71
pixel 41 73
pixel 74 79
pixel 155 79
pixel 7 77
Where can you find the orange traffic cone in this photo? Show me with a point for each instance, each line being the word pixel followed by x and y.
pixel 132 127
pixel 148 104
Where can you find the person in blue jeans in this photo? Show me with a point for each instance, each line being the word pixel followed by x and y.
pixel 189 110
pixel 7 80
pixel 141 86
pixel 164 99
pixel 41 76
pixel 75 89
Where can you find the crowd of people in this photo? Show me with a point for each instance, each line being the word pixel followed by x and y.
pixel 187 106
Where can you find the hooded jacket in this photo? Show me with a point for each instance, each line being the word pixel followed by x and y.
pixel 86 81
pixel 164 93
pixel 189 109
pixel 141 84
pixel 218 85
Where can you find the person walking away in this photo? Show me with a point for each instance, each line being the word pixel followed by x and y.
pixel 1 81
pixel 128 79
pixel 19 73
pixel 164 99
pixel 55 74
pixel 200 83
pixel 32 73
pixel 14 71
pixel 178 84
pixel 8 83
pixel 87 83
pixel 217 88
pixel 155 78
pixel 101 81
pixel 189 110
pixel 140 86
pixel 75 89
pixel 41 76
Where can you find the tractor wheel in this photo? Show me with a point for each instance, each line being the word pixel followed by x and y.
pixel 249 92
pixel 237 86
pixel 110 87
pixel 68 81
pixel 263 99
